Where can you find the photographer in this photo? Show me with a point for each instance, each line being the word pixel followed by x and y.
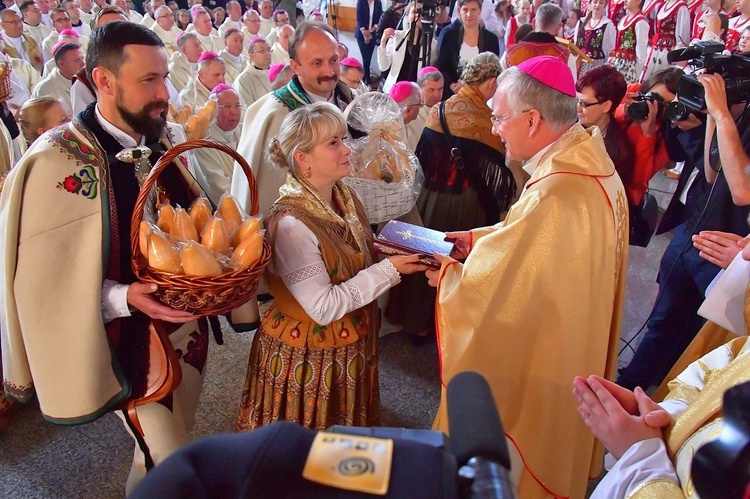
pixel 401 56
pixel 732 147
pixel 707 224
pixel 644 125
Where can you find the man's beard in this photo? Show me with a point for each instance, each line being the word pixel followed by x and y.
pixel 142 122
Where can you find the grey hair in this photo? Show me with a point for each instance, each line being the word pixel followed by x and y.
pixel 248 13
pixel 548 16
pixel 524 92
pixel 184 37
pixel 302 130
pixel 431 76
pixel 205 63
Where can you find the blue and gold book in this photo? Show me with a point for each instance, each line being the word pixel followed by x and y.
pixel 401 238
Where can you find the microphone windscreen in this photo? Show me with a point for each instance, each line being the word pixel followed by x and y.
pixel 473 421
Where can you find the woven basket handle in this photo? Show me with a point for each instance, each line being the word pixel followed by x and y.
pixel 165 160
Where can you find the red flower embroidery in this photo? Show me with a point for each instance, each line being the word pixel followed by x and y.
pixel 72 184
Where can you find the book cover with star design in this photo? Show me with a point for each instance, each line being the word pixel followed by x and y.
pixel 401 238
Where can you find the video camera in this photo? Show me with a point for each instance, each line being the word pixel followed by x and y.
pixel 429 7
pixel 707 55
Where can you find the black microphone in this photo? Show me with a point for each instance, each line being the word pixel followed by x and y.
pixel 477 438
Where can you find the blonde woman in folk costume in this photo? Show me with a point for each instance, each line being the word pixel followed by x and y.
pixel 314 359
pixel 671 31
pixel 631 44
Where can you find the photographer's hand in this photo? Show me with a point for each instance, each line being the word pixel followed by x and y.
pixel 648 126
pixel 715 95
pixel 734 159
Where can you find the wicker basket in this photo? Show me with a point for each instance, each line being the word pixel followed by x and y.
pixel 382 201
pixel 202 295
pixel 6 92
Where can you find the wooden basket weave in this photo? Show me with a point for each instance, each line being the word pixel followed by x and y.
pixel 6 91
pixel 202 295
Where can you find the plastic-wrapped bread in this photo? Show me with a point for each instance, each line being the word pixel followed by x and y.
pixel 162 254
pixel 197 125
pixel 198 260
pixel 166 218
pixel 183 227
pixel 230 213
pixel 245 230
pixel 144 231
pixel 248 252
pixel 200 212
pixel 215 236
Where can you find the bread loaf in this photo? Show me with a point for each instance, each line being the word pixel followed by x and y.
pixel 166 218
pixel 162 254
pixel 245 230
pixel 248 252
pixel 215 236
pixel 200 212
pixel 182 227
pixel 197 260
pixel 230 213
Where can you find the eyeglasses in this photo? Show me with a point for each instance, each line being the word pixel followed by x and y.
pixel 586 105
pixel 501 120
pixel 60 20
pixel 264 51
pixel 237 107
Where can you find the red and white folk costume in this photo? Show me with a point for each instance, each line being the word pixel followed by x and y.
pixel 631 47
pixel 672 30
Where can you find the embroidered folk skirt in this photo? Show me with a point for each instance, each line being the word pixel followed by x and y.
pixel 315 387
pixel 626 67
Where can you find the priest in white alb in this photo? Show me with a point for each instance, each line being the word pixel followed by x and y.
pixel 214 168
pixel 68 60
pixel 253 83
pixel 183 64
pixel 234 60
pixel 165 28
pixel 198 89
pixel 32 22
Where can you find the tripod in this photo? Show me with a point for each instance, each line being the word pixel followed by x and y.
pixel 424 26
pixel 332 8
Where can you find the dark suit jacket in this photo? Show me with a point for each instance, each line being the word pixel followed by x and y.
pixel 363 17
pixel 450 40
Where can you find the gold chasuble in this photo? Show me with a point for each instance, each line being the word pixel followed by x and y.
pixel 539 301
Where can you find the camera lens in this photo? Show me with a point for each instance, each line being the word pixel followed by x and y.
pixel 638 110
pixel 677 111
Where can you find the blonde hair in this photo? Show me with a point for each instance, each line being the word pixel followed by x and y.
pixel 32 116
pixel 480 68
pixel 302 130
